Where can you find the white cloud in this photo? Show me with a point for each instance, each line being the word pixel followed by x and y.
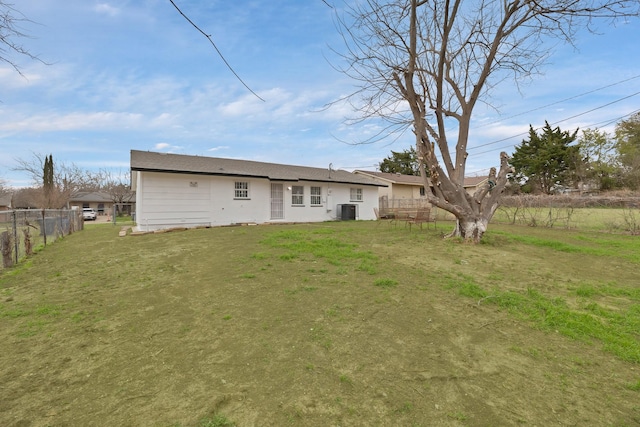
pixel 14 80
pixel 100 120
pixel 248 105
pixel 97 164
pixel 107 9
pixel 498 131
pixel 163 146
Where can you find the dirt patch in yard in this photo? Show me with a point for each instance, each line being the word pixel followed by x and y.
pixel 167 330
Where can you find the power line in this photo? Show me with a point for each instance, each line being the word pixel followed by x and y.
pixel 560 102
pixel 217 50
pixel 598 108
pixel 604 123
pixel 607 122
pixel 611 121
pixel 554 123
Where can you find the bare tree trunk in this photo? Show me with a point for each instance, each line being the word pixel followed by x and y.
pixel 28 248
pixel 473 212
pixel 6 248
pixel 470 230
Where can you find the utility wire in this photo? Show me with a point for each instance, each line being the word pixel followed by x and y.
pixel 559 102
pixel 606 122
pixel 556 122
pixel 602 123
pixel 524 133
pixel 611 121
pixel 217 50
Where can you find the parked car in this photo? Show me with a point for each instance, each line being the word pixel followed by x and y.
pixel 88 214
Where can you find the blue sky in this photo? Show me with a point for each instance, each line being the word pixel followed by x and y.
pixel 127 74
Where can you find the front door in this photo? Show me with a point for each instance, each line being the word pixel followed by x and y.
pixel 277 201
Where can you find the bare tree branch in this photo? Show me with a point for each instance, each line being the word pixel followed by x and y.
pixel 10 31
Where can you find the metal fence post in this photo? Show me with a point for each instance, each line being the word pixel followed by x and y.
pixel 15 234
pixel 44 227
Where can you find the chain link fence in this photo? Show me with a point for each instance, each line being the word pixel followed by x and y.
pixel 612 213
pixel 25 231
pixel 601 213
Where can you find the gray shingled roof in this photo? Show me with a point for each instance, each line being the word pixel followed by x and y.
pixel 395 178
pixel 180 163
pixel 97 197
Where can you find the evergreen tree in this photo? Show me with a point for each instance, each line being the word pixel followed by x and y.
pixel 547 161
pixel 405 162
pixel 47 180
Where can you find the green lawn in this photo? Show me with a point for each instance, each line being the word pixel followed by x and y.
pixel 341 323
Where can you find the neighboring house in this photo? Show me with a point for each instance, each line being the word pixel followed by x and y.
pixel 175 190
pixel 472 183
pixel 5 202
pixel 26 198
pixel 401 187
pixel 101 202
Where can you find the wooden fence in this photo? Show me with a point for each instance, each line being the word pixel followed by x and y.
pixel 386 204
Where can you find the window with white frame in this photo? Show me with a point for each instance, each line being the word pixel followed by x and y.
pixel 241 190
pixel 422 192
pixel 356 194
pixel 316 196
pixel 297 195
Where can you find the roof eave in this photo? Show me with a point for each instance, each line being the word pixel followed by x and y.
pixel 246 175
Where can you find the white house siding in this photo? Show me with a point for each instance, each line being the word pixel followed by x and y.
pixel 167 200
pixel 226 210
pixel 170 200
pixel 332 196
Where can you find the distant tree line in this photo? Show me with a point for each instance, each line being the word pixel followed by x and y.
pixel 54 184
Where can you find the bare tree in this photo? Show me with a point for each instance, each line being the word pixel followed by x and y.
pixel 118 186
pixel 67 179
pixel 27 198
pixel 4 190
pixel 427 63
pixel 10 32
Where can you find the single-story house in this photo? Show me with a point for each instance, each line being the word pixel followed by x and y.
pixel 472 183
pixel 174 190
pixel 100 201
pixel 401 186
pixel 5 202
